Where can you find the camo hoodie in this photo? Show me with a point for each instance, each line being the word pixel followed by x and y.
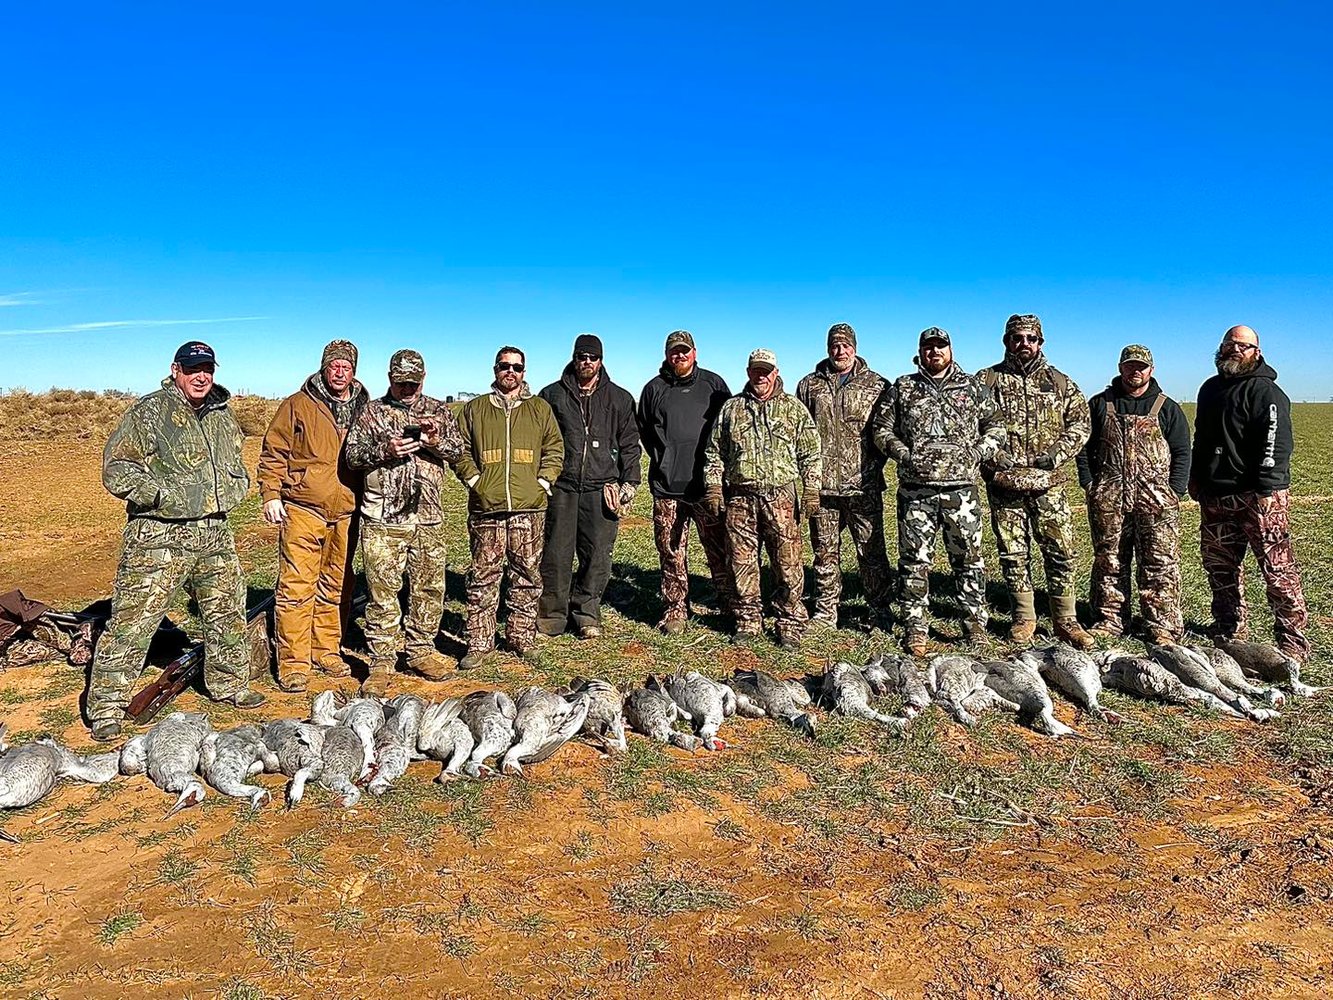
pixel 167 461
pixel 764 444
pixel 401 490
pixel 842 409
pixel 939 430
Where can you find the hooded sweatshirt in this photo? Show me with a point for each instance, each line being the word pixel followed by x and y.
pixel 1242 435
pixel 1171 420
pixel 675 417
pixel 599 430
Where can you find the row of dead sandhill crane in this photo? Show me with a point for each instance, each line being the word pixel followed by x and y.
pixel 346 745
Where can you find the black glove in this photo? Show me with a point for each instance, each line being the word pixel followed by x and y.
pixel 1046 462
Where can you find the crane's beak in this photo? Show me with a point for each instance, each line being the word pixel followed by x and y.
pixel 190 798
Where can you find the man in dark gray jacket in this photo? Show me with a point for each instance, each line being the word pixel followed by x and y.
pixel 599 479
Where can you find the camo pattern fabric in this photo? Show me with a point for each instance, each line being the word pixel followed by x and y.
pixel 402 490
pixel 671 533
pixel 767 520
pixel 924 512
pixel 1152 542
pixel 514 539
pixel 387 552
pixel 1019 519
pixel 1228 525
pixel 939 431
pixel 160 559
pixel 1044 414
pixel 863 517
pixel 764 444
pixel 166 460
pixel 851 463
pixel 1135 515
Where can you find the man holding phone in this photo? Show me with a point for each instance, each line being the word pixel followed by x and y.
pixel 402 442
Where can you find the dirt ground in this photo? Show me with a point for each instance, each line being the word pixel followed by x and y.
pixel 1177 855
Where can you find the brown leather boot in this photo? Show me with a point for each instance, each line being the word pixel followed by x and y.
pixel 976 635
pixel 1024 626
pixel 376 684
pixel 1065 624
pixel 914 642
pixel 430 665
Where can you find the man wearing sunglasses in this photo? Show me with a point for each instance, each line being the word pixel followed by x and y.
pixel 1047 423
pixel 1241 477
pixel 762 467
pixel 401 442
pixel 512 453
pixel 597 482
pixel 175 459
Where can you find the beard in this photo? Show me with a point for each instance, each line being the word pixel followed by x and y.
pixel 1229 367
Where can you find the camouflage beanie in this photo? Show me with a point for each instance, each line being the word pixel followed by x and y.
pixel 841 332
pixel 338 350
pixel 1026 323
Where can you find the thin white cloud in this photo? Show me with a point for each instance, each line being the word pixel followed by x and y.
pixel 19 299
pixel 118 324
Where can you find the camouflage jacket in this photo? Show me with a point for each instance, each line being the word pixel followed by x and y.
pixel 1044 413
pixel 939 431
pixel 842 412
pixel 402 490
pixel 167 461
pixel 763 444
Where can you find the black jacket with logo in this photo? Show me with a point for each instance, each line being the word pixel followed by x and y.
pixel 601 437
pixel 676 416
pixel 1242 435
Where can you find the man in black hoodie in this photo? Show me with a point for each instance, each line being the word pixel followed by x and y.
pixel 1134 469
pixel 598 481
pixel 677 409
pixel 1241 477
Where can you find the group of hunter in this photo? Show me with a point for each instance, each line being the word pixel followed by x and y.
pixel 548 477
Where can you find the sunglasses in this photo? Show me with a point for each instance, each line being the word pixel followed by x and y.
pixel 587 357
pixel 509 366
pixel 1025 338
pixel 1240 346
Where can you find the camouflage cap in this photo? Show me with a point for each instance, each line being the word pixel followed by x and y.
pixel 934 333
pixel 843 332
pixel 1136 352
pixel 762 357
pixel 680 337
pixel 1025 323
pixel 338 350
pixel 406 366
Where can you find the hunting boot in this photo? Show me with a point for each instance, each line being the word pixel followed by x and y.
pixel 1025 617
pixel 430 665
pixel 789 639
pixel 376 684
pixel 1065 624
pixel 914 642
pixel 473 659
pixel 976 636
pixel 293 680
pixel 333 665
pixel 106 730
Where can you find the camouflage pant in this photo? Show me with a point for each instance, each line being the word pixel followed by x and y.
pixel 1153 539
pixel 1228 525
pixel 159 559
pixel 767 519
pixel 497 539
pixel 387 551
pixel 922 513
pixel 1019 519
pixel 671 532
pixel 863 516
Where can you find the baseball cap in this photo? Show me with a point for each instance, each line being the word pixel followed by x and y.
pixel 762 357
pixel 934 333
pixel 193 353
pixel 406 366
pixel 1136 352
pixel 680 337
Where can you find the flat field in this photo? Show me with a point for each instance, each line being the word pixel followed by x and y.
pixel 1174 855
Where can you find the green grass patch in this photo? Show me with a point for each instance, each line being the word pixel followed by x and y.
pixel 118 925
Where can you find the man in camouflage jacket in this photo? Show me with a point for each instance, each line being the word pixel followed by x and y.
pixel 762 467
pixel 842 394
pixel 939 424
pixel 1047 422
pixel 402 443
pixel 175 458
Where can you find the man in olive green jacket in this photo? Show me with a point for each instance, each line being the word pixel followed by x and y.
pixel 175 459
pixel 512 453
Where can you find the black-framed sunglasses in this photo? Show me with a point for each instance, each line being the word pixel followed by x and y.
pixel 587 357
pixel 1240 346
pixel 1026 338
pixel 509 366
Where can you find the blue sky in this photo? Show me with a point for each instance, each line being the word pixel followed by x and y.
pixel 453 177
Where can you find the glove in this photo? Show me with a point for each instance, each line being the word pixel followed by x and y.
pixel 1045 462
pixel 1003 460
pixel 902 456
pixel 627 491
pixel 544 485
pixel 713 501
pixel 810 503
pixel 472 483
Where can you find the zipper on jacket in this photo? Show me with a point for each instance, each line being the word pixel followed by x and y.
pixel 509 464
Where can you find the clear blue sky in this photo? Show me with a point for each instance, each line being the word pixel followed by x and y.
pixel 452 177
